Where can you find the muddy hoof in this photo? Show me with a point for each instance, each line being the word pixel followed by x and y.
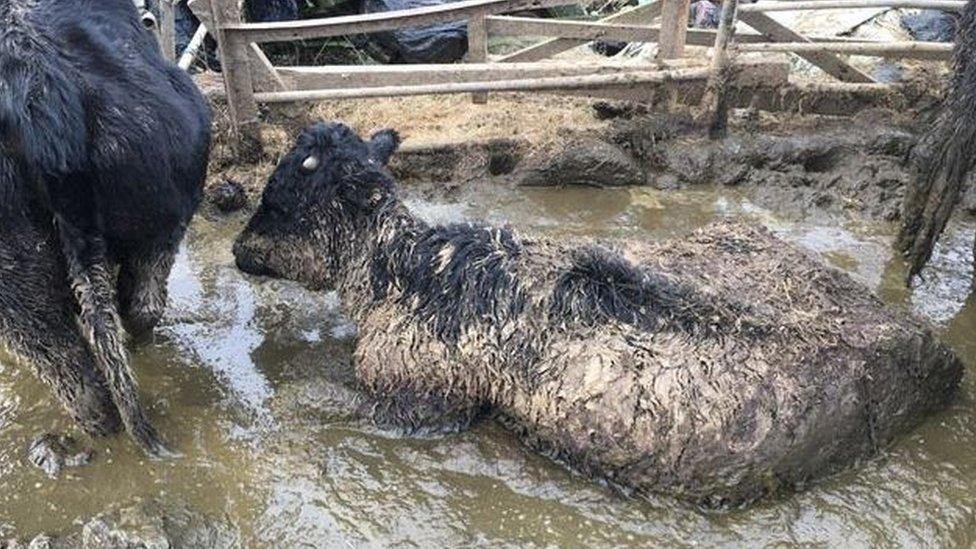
pixel 51 453
pixel 228 197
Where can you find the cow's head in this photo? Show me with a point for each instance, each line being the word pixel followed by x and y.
pixel 320 201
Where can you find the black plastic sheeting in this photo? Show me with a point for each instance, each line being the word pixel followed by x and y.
pixel 607 48
pixel 704 15
pixel 930 26
pixel 267 11
pixel 442 43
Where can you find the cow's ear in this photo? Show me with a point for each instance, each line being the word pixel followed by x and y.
pixel 383 144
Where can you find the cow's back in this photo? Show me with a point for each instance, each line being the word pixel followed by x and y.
pixel 808 374
pixel 147 128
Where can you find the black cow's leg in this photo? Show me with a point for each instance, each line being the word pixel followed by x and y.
pixel 37 326
pixel 89 272
pixel 143 278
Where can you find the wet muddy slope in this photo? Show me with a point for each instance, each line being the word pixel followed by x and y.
pixel 856 166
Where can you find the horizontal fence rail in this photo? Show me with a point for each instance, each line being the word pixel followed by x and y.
pixel 528 84
pixel 378 22
pixel 353 76
pixel 917 50
pixel 948 5
pixel 528 26
pixel 586 31
pixel 251 79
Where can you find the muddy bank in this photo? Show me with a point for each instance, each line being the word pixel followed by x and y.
pixel 812 163
pixel 857 166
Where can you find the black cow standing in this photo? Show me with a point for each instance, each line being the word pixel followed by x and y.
pixel 103 154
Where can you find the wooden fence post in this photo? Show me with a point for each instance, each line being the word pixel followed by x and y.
pixel 167 29
pixel 715 102
pixel 671 42
pixel 674 29
pixel 238 82
pixel 478 47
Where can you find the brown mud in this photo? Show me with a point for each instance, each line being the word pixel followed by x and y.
pixel 145 524
pixel 251 378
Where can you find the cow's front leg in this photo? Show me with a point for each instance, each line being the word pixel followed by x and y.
pixel 416 384
pixel 142 284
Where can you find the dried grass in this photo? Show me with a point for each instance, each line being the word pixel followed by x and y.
pixel 537 118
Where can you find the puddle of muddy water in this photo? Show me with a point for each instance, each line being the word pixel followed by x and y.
pixel 247 377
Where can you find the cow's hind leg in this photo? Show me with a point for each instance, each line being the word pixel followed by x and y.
pixel 37 326
pixel 91 281
pixel 143 277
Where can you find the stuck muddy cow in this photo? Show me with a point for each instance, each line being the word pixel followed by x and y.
pixel 719 368
pixel 103 153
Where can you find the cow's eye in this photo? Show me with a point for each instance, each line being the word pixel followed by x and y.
pixel 310 163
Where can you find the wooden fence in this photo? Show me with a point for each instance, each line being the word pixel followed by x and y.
pixel 250 79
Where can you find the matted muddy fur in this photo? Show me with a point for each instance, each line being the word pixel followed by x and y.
pixel 717 368
pixel 945 155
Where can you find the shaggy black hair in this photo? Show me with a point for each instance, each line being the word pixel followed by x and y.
pixel 453 276
pixel 601 286
pixel 654 379
pixel 97 117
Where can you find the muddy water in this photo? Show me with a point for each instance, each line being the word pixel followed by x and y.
pixel 249 380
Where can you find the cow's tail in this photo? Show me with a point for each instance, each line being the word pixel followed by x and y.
pixel 92 283
pixel 944 155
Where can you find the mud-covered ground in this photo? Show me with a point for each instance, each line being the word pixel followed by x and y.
pixel 250 379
